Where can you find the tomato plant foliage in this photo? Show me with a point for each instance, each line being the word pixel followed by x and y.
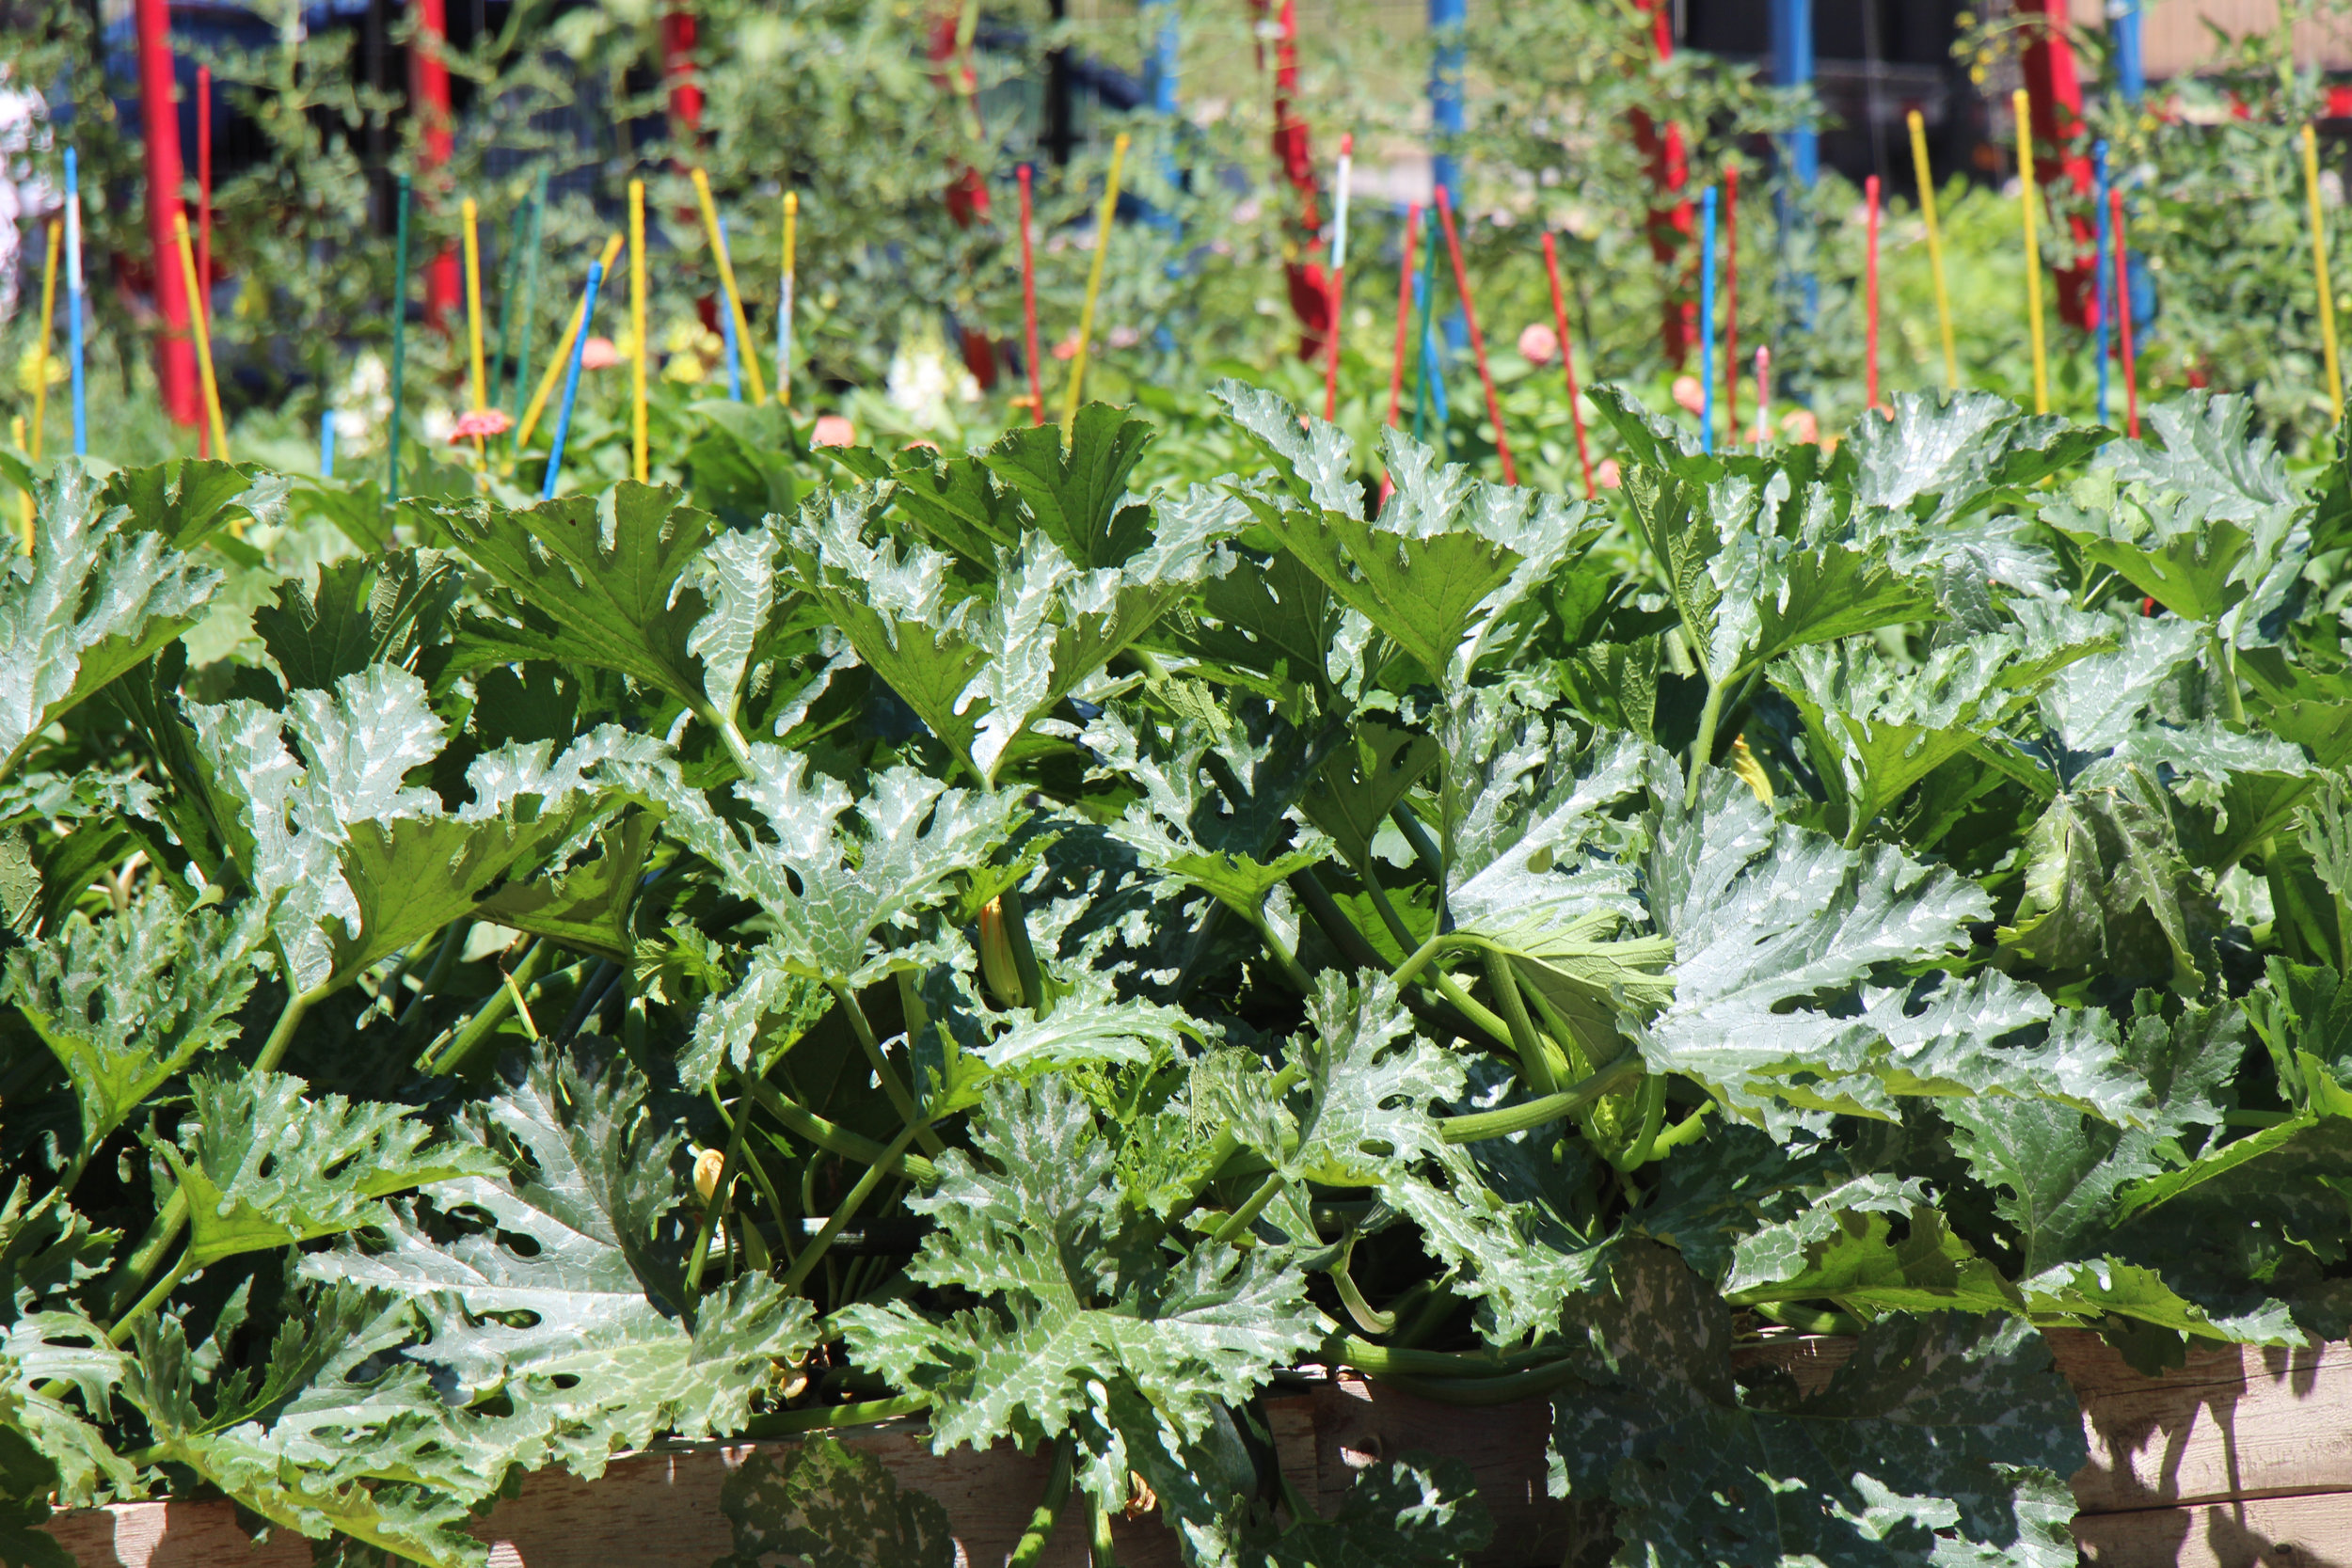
pixel 1058 958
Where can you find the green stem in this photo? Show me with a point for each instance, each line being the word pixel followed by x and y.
pixel 1387 911
pixel 1298 978
pixel 1424 847
pixel 1530 1114
pixel 1226 1144
pixel 788 1423
pixel 1025 962
pixel 173 1220
pixel 1703 745
pixel 155 1297
pixel 836 1139
pixel 1031 1548
pixel 884 1073
pixel 1325 912
pixel 729 736
pixel 492 1012
pixel 1395 1360
pixel 1688 1131
pixel 1352 1298
pixel 1805 1322
pixel 714 1206
pixel 847 1208
pixel 1534 1058
pixel 1237 1224
pixel 1534 1382
pixel 1099 1534
pixel 1653 1105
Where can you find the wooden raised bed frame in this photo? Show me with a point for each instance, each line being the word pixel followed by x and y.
pixel 2241 1458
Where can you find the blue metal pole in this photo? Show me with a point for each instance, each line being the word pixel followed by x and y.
pixel 327 444
pixel 2131 71
pixel 571 382
pixel 73 298
pixel 1160 63
pixel 1447 20
pixel 2106 270
pixel 1800 150
pixel 1707 319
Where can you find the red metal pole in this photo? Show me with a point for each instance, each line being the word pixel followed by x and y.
pixel 1029 306
pixel 678 36
pixel 1669 226
pixel 204 221
pixel 428 98
pixel 1567 360
pixel 2057 119
pixel 1309 290
pixel 175 351
pixel 967 192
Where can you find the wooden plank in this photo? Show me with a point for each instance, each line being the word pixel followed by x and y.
pixel 2313 1531
pixel 648 1511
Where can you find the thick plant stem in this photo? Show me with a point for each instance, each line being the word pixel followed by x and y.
pixel 1703 745
pixel 169 1224
pixel 884 1073
pixel 493 1012
pixel 716 1204
pixel 784 1423
pixel 1398 1361
pixel 846 1211
pixel 1535 1056
pixel 1099 1534
pixel 1031 1548
pixel 121 1328
pixel 836 1139
pixel 1530 1114
pixel 1237 1224
pixel 1284 960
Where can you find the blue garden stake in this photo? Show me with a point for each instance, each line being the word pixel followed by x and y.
pixel 2106 270
pixel 726 329
pixel 1449 20
pixel 1707 319
pixel 571 382
pixel 73 299
pixel 327 444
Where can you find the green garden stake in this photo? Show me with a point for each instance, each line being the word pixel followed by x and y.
pixel 1423 353
pixel 530 299
pixel 507 279
pixel 400 335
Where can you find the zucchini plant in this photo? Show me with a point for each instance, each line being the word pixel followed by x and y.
pixel 1015 948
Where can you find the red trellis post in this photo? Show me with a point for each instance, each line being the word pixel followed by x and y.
pixel 175 352
pixel 2057 117
pixel 967 192
pixel 1310 289
pixel 678 36
pixel 428 96
pixel 1672 225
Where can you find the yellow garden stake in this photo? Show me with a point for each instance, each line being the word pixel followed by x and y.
pixel 1095 286
pixel 1935 247
pixel 2028 194
pixel 473 312
pixel 2319 266
pixel 783 307
pixel 16 433
pixel 203 338
pixel 639 459
pixel 561 360
pixel 41 344
pixel 726 283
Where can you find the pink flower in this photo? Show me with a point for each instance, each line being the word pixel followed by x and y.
pixel 1690 395
pixel 1800 425
pixel 1607 473
pixel 599 354
pixel 1067 348
pixel 480 421
pixel 1539 345
pixel 833 430
pixel 1124 336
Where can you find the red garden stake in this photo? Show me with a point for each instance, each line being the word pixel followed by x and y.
pixel 1478 339
pixel 1568 358
pixel 2123 316
pixel 1731 306
pixel 1674 222
pixel 678 38
pixel 175 351
pixel 1309 295
pixel 1028 305
pixel 2058 122
pixel 204 220
pixel 1871 295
